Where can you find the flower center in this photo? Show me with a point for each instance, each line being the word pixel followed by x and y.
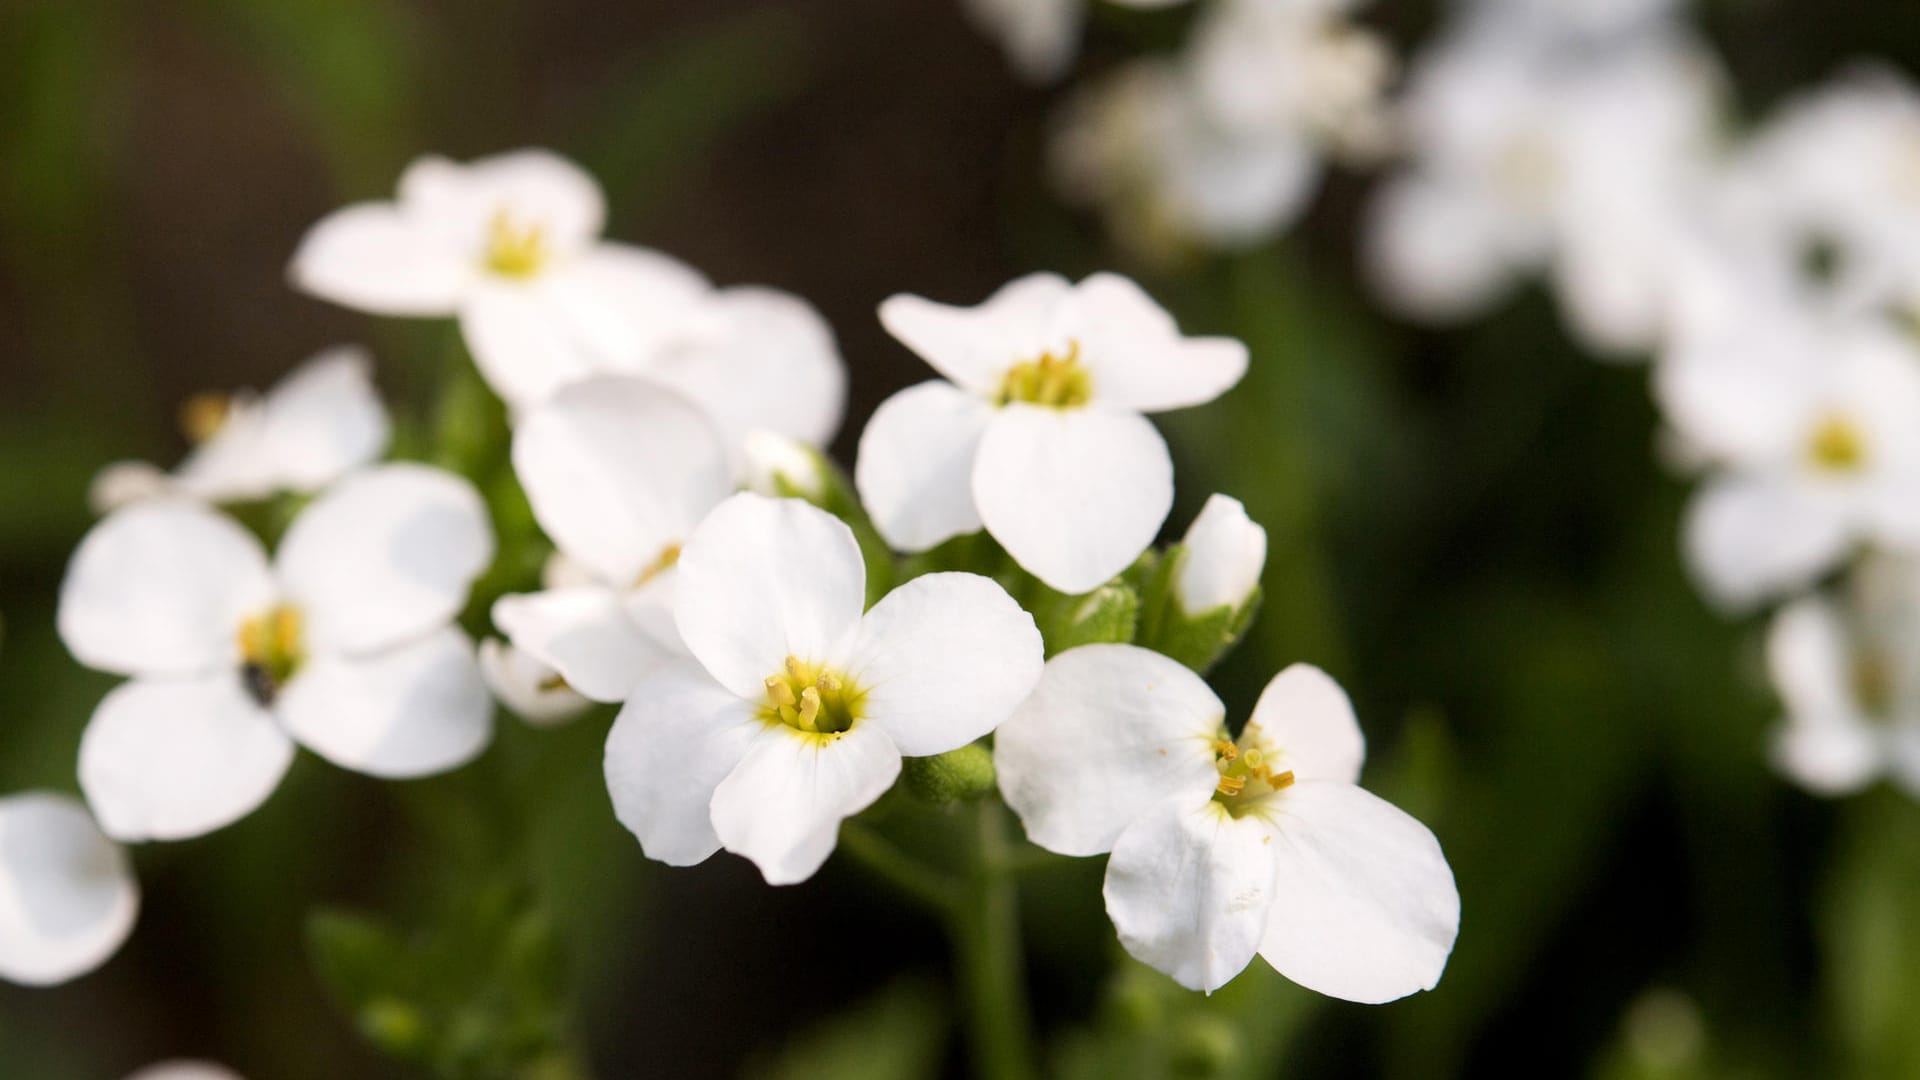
pixel 808 697
pixel 1872 678
pixel 514 250
pixel 1837 445
pixel 1057 382
pixel 1246 776
pixel 1528 168
pixel 270 650
pixel 203 415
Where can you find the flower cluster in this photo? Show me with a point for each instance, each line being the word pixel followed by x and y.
pixel 783 642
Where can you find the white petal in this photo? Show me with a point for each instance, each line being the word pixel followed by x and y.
pixel 411 711
pixel 1189 887
pixel 942 660
pixel 531 689
pixel 676 738
pixel 1109 731
pixel 915 470
pixel 783 804
pixel 620 303
pixel 373 257
pixel 522 346
pixel 1364 907
pixel 185 1070
pixel 618 470
pixel 173 759
pixel 1135 354
pixel 1748 538
pixel 325 420
pixel 1810 662
pixel 1039 36
pixel 162 587
pixel 586 635
pixel 764 579
pixel 975 346
pixel 531 188
pixel 384 556
pixel 1435 254
pixel 1225 551
pixel 1074 495
pixel 1305 717
pixel 1835 756
pixel 67 896
pixel 124 483
pixel 763 360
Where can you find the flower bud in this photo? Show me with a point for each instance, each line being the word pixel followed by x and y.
pixel 783 467
pixel 529 688
pixel 1224 554
pixel 955 776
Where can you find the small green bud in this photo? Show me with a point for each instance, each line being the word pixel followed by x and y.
pixel 1108 614
pixel 955 776
pixel 394 1026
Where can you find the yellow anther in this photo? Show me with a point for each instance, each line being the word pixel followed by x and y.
pixel 1225 750
pixel 809 709
pixel 797 671
pixel 513 251
pixel 827 683
pixel 1254 757
pixel 1059 382
pixel 203 415
pixel 669 556
pixel 1282 781
pixel 1837 445
pixel 1230 785
pixel 781 692
pixel 271 649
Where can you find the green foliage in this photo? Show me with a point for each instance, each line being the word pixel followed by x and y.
pixel 897 1035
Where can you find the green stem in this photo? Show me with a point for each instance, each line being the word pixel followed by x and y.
pixel 910 876
pixel 985 925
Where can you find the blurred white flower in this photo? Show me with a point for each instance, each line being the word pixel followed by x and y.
pixel 1812 429
pixel 510 245
pixel 314 426
pixel 1527 158
pixel 774 461
pixel 345 642
pixel 618 472
pixel 1039 436
pixel 185 1070
pixel 534 691
pixel 796 709
pixel 1225 848
pixel 1849 676
pixel 1221 558
pixel 67 896
pixel 1829 191
pixel 1041 36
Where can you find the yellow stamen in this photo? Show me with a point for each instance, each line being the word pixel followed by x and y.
pixel 1837 445
pixel 271 649
pixel 1058 382
pixel 203 415
pixel 512 251
pixel 669 556
pixel 781 692
pixel 1230 785
pixel 810 709
pixel 809 698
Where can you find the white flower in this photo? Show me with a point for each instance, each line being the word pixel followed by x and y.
pixel 510 245
pixel 67 897
pixel 618 471
pixel 1039 436
pixel 345 643
pixel 1529 157
pixel 1222 849
pixel 796 709
pixel 774 462
pixel 1041 36
pixel 1848 677
pixel 533 690
pixel 1813 431
pixel 314 426
pixel 1223 554
pixel 185 1070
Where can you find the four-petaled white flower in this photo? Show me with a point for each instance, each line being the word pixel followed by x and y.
pixel 510 245
pixel 1224 848
pixel 314 426
pixel 1221 558
pixel 796 708
pixel 618 471
pixel 67 896
pixel 1039 434
pixel 1849 675
pixel 344 642
pixel 1812 429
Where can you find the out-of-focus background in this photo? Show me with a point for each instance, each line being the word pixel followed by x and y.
pixel 1469 528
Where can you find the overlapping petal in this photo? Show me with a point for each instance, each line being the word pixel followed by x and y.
pixel 915 470
pixel 67 896
pixel 782 805
pixel 678 736
pixel 415 710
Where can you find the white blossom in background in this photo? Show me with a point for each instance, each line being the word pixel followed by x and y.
pixel 185 1070
pixel 1811 430
pixel 1226 848
pixel 314 426
pixel 532 690
pixel 778 465
pixel 618 472
pixel 1529 157
pixel 1041 37
pixel 344 643
pixel 510 245
pixel 1039 434
pixel 1848 671
pixel 1223 145
pixel 796 708
pixel 68 899
pixel 1221 558
pixel 1829 191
